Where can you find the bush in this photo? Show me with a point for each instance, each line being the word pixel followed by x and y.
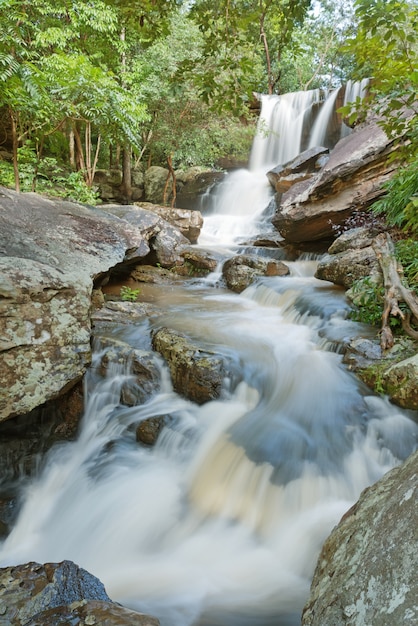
pixel 400 204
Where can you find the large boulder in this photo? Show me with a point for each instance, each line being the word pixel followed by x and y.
pixel 188 222
pixel 51 251
pixel 242 270
pixel 350 258
pixel 164 240
pixel 193 184
pixel 351 180
pixel 366 572
pixel 196 373
pixel 60 593
pixel 155 182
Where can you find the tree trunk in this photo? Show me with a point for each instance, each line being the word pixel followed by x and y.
pixel 266 53
pixel 80 163
pixel 14 150
pixel 127 174
pixel 172 175
pixel 395 292
pixel 71 143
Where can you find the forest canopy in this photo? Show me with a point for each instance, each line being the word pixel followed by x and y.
pixel 91 83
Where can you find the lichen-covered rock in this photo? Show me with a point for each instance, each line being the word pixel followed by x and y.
pixel 51 251
pixel 353 239
pixel 155 182
pixel 242 270
pixel 60 593
pixel 349 266
pixel 196 373
pixel 44 333
pixel 401 382
pixel 366 573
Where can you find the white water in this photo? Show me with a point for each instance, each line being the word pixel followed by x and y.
pixel 353 91
pixel 280 128
pixel 239 207
pixel 222 522
pixel 319 130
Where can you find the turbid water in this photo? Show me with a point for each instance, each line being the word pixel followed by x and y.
pixel 222 521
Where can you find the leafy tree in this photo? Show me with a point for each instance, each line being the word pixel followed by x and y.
pixel 316 56
pixel 386 49
pixel 245 39
pixel 61 68
pixel 182 130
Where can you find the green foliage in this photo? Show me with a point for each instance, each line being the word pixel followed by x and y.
pixel 367 297
pixel 128 294
pixel 385 48
pixel 407 253
pixel 400 204
pixel 169 76
pixel 244 42
pixel 7 178
pixel 47 177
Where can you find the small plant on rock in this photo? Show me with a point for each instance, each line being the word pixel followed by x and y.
pixel 128 294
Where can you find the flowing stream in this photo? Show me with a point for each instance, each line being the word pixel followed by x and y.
pixel 222 521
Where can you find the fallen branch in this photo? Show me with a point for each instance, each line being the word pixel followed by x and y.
pixel 395 292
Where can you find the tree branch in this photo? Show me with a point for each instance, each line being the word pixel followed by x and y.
pixel 395 292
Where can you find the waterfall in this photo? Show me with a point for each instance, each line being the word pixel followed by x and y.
pixel 318 134
pixel 280 128
pixel 222 521
pixel 353 91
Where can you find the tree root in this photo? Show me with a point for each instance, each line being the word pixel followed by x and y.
pixel 395 292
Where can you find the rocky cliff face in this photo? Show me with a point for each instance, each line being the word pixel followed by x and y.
pixel 350 181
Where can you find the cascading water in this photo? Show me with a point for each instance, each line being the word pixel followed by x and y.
pixel 288 124
pixel 353 90
pixel 221 523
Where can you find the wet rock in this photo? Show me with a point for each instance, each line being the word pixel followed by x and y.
pixel 145 380
pixel 156 275
pixel 51 252
pixel 242 270
pixel 59 593
pixel 197 374
pixel 197 262
pixel 188 222
pixel 361 353
pixel 116 313
pixel 346 267
pixel 147 432
pixel 297 170
pixel 27 437
pixel 366 572
pixel 193 183
pixel 92 613
pixel 350 181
